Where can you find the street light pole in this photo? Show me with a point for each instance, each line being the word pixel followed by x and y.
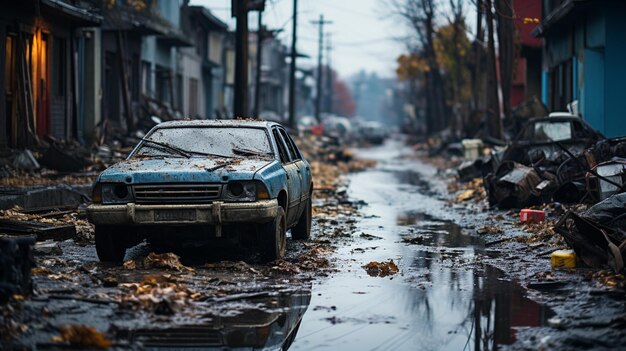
pixel 240 107
pixel 292 69
pixel 257 78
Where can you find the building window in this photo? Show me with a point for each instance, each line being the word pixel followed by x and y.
pixel 58 66
pixel 179 92
pixel 146 78
pixel 193 97
pixel 163 81
pixel 134 78
pixel 215 48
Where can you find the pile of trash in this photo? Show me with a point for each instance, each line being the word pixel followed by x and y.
pixel 558 159
pixel 598 235
pixel 555 160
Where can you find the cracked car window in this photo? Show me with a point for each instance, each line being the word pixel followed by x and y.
pixel 203 140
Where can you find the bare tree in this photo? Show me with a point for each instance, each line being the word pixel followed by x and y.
pixel 506 48
pixel 478 55
pixel 494 124
pixel 420 15
pixel 458 23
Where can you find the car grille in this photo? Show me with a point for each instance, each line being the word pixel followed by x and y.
pixel 176 193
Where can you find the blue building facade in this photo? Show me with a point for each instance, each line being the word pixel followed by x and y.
pixel 585 60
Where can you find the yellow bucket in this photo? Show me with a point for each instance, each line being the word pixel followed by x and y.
pixel 563 259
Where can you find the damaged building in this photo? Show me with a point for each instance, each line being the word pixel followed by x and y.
pixel 49 55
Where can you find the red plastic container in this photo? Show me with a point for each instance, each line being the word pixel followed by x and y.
pixel 532 216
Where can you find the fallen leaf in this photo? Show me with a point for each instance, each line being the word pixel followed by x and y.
pixel 166 260
pixel 381 269
pixel 82 336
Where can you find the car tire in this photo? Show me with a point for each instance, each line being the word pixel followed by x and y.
pixel 274 237
pixel 109 245
pixel 302 230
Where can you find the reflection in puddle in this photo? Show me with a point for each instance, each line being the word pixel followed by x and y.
pixel 271 324
pixel 442 298
pixel 481 309
pixel 428 230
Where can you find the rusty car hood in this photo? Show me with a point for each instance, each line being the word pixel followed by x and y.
pixel 174 170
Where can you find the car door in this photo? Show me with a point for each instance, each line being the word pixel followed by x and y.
pixel 303 169
pixel 293 178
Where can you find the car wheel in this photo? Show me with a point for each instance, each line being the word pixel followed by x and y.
pixel 302 230
pixel 274 237
pixel 109 245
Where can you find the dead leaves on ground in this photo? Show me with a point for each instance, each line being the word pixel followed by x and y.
pixel 472 190
pixel 161 294
pixel 381 269
pixel 82 336
pixel 490 229
pixel 608 278
pixel 159 261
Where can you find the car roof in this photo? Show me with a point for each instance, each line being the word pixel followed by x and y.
pixel 554 119
pixel 255 123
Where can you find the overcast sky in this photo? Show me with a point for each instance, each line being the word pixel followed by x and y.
pixel 363 33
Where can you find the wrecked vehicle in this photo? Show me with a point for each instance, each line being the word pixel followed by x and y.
pixel 544 139
pixel 235 182
pixel 549 156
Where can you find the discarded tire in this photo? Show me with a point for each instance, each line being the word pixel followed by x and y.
pixel 16 261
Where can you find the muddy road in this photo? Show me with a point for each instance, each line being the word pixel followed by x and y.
pixel 431 284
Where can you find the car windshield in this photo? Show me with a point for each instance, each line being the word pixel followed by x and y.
pixel 206 141
pixel 552 131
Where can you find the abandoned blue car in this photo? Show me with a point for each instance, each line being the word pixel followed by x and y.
pixel 233 182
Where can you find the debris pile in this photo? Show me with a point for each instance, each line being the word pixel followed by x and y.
pixel 598 235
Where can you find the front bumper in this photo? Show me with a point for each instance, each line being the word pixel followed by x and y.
pixel 216 213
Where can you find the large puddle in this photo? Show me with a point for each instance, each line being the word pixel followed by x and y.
pixel 442 299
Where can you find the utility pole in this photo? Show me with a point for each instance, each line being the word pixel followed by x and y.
pixel 257 78
pixel 240 9
pixel 292 69
pixel 318 97
pixel 329 77
pixel 493 103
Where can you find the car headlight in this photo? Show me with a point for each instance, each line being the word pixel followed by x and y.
pixel 245 191
pixel 115 193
